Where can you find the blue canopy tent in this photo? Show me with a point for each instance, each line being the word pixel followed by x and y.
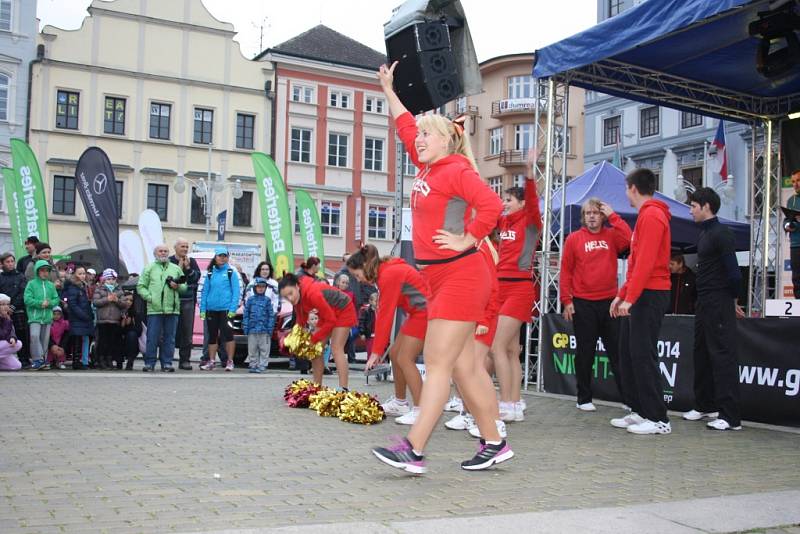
pixel 608 183
pixel 695 55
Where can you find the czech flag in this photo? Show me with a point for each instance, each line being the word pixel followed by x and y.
pixel 720 164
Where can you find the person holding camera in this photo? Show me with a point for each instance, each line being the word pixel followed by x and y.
pixel 185 329
pixel 161 285
pixel 219 300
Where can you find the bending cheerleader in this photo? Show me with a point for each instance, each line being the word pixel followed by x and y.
pixel 452 209
pixel 400 286
pixel 336 317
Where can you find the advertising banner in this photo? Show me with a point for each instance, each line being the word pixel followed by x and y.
pixel 790 161
pixel 94 179
pixel 245 254
pixel 275 213
pixel 769 372
pixel 17 235
pixel 310 228
pixel 151 232
pixel 222 221
pixel 31 203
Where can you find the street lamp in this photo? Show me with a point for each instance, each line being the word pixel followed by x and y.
pixel 725 189
pixel 205 189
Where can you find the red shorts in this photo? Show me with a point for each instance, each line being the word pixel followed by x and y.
pixel 488 338
pixel 346 317
pixel 517 298
pixel 415 325
pixel 459 291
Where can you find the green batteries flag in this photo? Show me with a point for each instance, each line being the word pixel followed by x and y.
pixel 310 229
pixel 30 200
pixel 10 187
pixel 274 213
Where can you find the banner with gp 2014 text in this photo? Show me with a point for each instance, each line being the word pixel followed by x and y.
pixel 275 213
pixel 31 205
pixel 769 370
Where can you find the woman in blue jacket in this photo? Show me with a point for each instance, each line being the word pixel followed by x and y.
pixel 219 300
pixel 81 318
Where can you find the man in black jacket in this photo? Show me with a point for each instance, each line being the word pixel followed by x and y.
pixel 185 328
pixel 12 283
pixel 716 369
pixel 684 286
pixel 30 247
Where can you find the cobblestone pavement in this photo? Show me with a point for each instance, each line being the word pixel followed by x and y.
pixel 129 452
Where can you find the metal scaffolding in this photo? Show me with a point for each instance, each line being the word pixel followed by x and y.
pixel 551 170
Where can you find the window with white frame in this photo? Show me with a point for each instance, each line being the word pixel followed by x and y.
pixel 496 184
pixel 518 180
pixel 337 150
pixel 495 141
pixel 339 99
pixel 461 104
pixel 374 104
pixel 520 87
pixel 330 217
pixel 5 15
pixel 302 93
pixel 377 219
pixel 373 154
pixel 523 137
pixel 611 130
pixel 203 126
pixel 690 120
pixel 409 169
pixel 300 150
pixel 4 85
pixel 648 122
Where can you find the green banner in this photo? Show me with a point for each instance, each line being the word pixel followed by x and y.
pixel 31 204
pixel 10 188
pixel 275 213
pixel 310 229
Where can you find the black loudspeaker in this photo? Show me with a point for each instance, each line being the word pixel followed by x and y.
pixel 426 76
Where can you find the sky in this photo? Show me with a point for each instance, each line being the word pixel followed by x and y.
pixel 498 26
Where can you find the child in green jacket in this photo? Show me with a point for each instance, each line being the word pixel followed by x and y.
pixel 40 299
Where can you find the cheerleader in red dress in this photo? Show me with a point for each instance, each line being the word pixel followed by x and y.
pixel 336 317
pixel 452 210
pixel 520 230
pixel 399 286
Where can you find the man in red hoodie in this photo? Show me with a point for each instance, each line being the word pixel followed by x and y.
pixel 588 285
pixel 643 299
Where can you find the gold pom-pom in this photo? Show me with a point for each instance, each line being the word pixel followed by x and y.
pixel 360 408
pixel 326 402
pixel 298 342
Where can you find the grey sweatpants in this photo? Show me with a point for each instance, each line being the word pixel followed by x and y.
pixel 40 337
pixel 258 349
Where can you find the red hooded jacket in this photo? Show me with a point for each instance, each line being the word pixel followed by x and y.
pixel 328 301
pixel 443 196
pixel 648 264
pixel 399 286
pixel 519 235
pixel 589 262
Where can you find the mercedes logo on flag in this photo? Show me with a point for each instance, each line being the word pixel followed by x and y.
pixel 100 183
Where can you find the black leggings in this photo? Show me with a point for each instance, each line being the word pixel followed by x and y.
pixel 219 331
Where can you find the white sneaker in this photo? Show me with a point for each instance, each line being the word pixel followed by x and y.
pixel 722 424
pixel 519 413
pixel 632 418
pixel 508 412
pixel 694 415
pixel 523 404
pixel 408 419
pixel 394 407
pixel 650 427
pixel 501 429
pixel 462 421
pixel 587 407
pixel 454 404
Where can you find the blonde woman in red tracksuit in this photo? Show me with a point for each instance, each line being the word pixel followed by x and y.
pixel 452 210
pixel 399 286
pixel 336 314
pixel 520 229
